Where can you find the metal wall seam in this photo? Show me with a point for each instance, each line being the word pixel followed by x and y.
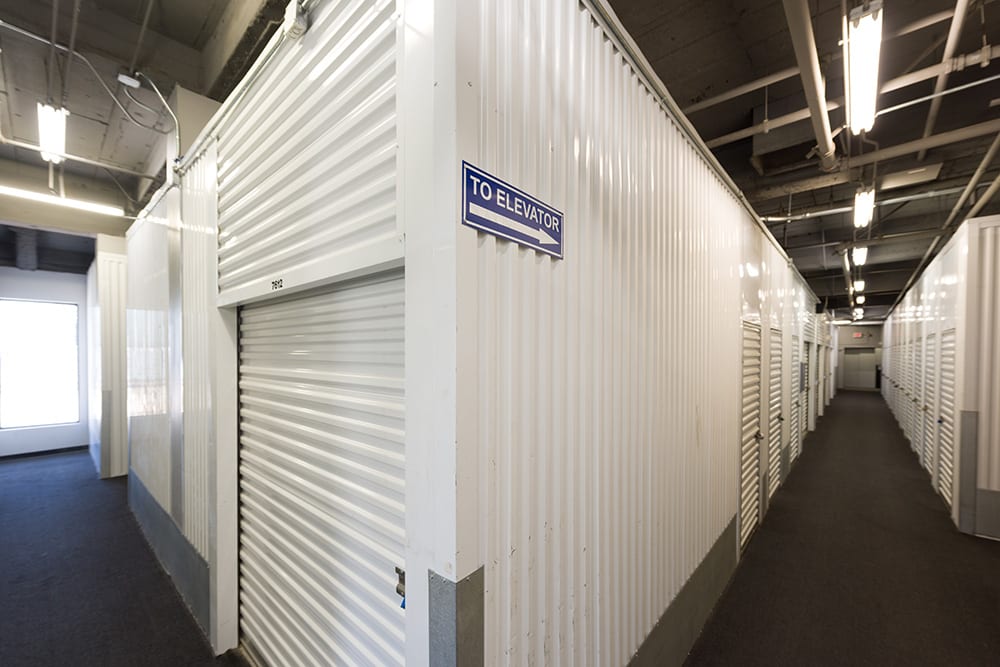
pixel 111 278
pixel 198 285
pixel 307 160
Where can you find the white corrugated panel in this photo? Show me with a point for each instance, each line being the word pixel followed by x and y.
pixel 795 428
pixel 148 340
pixel 918 400
pixel 322 475
pixel 774 416
pixel 307 162
pixel 946 445
pixel 198 291
pixel 750 436
pixel 929 405
pixel 112 283
pixel 987 360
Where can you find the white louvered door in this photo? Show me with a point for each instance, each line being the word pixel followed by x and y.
pixel 794 430
pixel 928 406
pixel 322 476
pixel 804 415
pixel 751 436
pixel 946 432
pixel 774 416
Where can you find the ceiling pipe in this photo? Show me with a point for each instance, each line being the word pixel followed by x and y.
pixel 954 32
pixel 933 141
pixel 954 65
pixel 52 51
pixel 966 193
pixel 72 48
pixel 809 215
pixel 142 35
pixel 4 139
pixel 777 77
pixel 38 38
pixel 804 44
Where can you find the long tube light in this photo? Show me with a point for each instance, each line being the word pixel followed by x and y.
pixel 864 206
pixel 78 204
pixel 859 256
pixel 863 42
pixel 52 132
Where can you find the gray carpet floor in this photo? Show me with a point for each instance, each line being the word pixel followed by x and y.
pixel 858 563
pixel 78 583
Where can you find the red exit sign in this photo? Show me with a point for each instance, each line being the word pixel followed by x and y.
pixel 857 334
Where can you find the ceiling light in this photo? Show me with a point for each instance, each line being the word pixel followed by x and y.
pixel 127 80
pixel 862 42
pixel 859 256
pixel 78 204
pixel 864 206
pixel 859 285
pixel 859 313
pixel 52 132
pixel 859 299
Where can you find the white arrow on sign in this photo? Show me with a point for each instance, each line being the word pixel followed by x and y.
pixel 539 234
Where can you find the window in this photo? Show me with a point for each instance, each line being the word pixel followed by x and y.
pixel 39 364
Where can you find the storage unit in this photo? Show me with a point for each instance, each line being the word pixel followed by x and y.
pixel 943 373
pixel 573 410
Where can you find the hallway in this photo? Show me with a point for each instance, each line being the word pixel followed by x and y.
pixel 78 583
pixel 857 562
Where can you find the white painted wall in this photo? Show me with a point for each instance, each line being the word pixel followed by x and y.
pixel 64 288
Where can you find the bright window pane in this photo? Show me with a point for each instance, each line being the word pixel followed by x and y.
pixel 39 376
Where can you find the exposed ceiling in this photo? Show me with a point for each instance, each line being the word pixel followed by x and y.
pixel 117 133
pixel 705 48
pixel 41 250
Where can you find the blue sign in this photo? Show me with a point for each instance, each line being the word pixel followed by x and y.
pixel 498 208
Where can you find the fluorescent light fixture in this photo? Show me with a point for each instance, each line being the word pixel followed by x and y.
pixel 859 256
pixel 78 204
pixel 859 299
pixel 863 42
pixel 859 313
pixel 52 132
pixel 864 206
pixel 859 285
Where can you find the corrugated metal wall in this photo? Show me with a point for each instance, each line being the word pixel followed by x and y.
pixel 111 284
pixel 148 345
pixel 988 358
pixel 607 392
pixel 307 162
pixel 199 203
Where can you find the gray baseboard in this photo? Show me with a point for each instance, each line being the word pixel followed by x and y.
pixel 457 619
pixel 177 556
pixel 988 513
pixel 671 639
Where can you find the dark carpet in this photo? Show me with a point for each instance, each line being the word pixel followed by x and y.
pixel 858 562
pixel 78 583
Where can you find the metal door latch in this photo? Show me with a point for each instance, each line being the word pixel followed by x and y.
pixel 401 584
pixel 758 436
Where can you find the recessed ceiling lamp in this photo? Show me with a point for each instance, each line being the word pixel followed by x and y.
pixel 864 206
pixel 859 285
pixel 859 299
pixel 52 132
pixel 862 45
pixel 78 204
pixel 859 256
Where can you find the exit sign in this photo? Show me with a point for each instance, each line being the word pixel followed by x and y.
pixel 857 334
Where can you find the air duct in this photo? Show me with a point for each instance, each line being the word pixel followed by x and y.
pixel 26 247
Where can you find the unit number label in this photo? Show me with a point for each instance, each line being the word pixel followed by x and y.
pixel 277 284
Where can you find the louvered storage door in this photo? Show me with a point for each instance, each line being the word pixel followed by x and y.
pixel 918 400
pixel 750 442
pixel 794 431
pixel 804 414
pixel 774 418
pixel 927 407
pixel 946 431
pixel 322 476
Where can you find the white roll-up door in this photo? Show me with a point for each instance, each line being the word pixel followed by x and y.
pixel 322 476
pixel 794 428
pixel 928 411
pixel 774 416
pixel 946 431
pixel 751 436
